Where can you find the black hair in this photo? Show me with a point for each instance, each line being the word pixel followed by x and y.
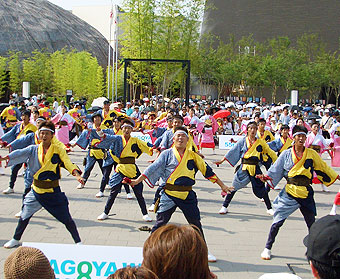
pixel 129 121
pixel 42 117
pixel 96 114
pixel 207 111
pixel 251 123
pixel 326 271
pixel 258 114
pixel 181 129
pixel 262 120
pixel 48 124
pixel 120 118
pixel 284 126
pixel 47 103
pixel 315 123
pixel 298 128
pixel 26 112
pixel 177 116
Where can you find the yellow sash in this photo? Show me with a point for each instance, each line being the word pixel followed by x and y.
pixel 324 173
pixel 265 134
pixel 46 165
pixel 251 152
pixel 286 144
pixel 118 132
pixel 164 114
pixel 49 165
pixel 29 127
pixel 146 125
pixel 104 124
pixel 96 153
pixel 181 170
pixel 130 170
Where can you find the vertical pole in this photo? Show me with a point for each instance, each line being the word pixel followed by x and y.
pixel 108 70
pixel 187 84
pixel 125 79
pixel 113 75
pixel 109 59
pixel 113 59
pixel 117 35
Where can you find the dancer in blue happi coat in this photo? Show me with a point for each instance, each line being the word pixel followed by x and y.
pixel 250 150
pixel 44 162
pixel 126 149
pixel 89 138
pixel 110 161
pixel 297 165
pixel 176 168
pixel 19 130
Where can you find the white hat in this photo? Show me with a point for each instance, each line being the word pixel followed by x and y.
pixel 326 110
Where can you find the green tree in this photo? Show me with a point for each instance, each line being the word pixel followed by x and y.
pixel 15 72
pixel 3 75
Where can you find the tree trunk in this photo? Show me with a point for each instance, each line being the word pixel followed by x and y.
pixel 274 92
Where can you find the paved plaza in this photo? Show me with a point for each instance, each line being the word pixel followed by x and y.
pixel 236 239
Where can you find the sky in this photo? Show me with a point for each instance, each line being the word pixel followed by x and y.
pixel 68 4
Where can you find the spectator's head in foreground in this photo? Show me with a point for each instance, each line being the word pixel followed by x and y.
pixel 323 247
pixel 28 263
pixel 133 273
pixel 176 252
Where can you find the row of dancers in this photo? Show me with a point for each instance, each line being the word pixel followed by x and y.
pixel 174 171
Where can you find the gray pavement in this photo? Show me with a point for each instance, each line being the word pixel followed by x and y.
pixel 236 239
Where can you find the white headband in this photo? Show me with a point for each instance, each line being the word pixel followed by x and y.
pixel 181 132
pixel 46 129
pixel 127 125
pixel 299 133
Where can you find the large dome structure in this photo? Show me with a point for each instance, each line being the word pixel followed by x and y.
pixel 28 25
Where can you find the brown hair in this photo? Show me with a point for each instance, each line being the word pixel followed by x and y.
pixel 176 252
pixel 133 273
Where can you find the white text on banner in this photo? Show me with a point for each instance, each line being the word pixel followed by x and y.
pixel 70 261
pixel 228 141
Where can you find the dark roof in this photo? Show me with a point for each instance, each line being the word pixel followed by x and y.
pixel 28 25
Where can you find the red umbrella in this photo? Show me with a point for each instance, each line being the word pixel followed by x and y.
pixel 221 114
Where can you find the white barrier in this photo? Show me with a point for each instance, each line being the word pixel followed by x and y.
pixel 70 261
pixel 228 141
pixel 141 136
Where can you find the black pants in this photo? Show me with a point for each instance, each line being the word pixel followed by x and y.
pixel 57 205
pixel 326 134
pixel 308 215
pixel 137 190
pixel 258 187
pixel 190 209
pixel 106 176
pixel 90 168
pixel 157 194
pixel 14 174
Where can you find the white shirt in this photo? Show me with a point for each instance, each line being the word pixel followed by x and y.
pixel 55 106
